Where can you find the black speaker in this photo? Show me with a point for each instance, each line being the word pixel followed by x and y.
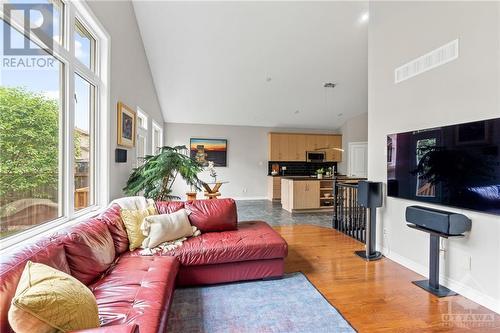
pixel 120 155
pixel 438 220
pixel 370 197
pixel 370 194
pixel 437 223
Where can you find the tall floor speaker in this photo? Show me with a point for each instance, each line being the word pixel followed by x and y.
pixel 370 197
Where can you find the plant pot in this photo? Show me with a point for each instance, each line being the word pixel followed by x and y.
pixel 320 176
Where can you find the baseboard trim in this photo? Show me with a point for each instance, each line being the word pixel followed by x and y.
pixel 457 286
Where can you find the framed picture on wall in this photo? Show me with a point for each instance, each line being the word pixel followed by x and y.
pixel 209 150
pixel 126 126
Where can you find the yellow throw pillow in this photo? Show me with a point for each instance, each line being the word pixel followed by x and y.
pixel 133 219
pixel 53 297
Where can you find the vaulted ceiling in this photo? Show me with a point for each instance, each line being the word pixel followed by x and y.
pixel 257 63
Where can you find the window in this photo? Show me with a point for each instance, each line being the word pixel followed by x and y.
pixel 84 45
pixel 83 142
pixel 142 119
pixel 142 134
pixel 157 141
pixel 53 102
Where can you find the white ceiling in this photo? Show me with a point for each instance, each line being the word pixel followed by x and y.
pixel 257 63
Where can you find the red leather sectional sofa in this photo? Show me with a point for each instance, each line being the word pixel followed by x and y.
pixel 134 292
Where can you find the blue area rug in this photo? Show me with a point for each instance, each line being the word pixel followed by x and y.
pixel 291 304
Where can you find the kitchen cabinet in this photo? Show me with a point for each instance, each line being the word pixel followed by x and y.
pixel 334 143
pixel 274 188
pixel 293 146
pixel 300 194
pixel 296 147
pixel 278 147
pixel 305 194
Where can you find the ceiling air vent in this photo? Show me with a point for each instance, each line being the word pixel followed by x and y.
pixel 433 59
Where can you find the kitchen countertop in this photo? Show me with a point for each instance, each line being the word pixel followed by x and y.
pixel 338 177
pixel 305 178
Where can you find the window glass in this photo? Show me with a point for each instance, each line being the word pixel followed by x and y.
pixel 157 138
pixel 141 149
pixel 83 142
pixel 142 119
pixel 84 45
pixel 54 21
pixel 30 137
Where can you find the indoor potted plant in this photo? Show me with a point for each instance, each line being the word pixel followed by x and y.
pixel 320 173
pixel 157 175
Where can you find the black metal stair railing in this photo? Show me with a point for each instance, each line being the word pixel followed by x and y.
pixel 348 216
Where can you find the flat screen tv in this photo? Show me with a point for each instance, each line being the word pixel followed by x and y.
pixel 457 165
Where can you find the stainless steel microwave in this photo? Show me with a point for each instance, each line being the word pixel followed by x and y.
pixel 315 156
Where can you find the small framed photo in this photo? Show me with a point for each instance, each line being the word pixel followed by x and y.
pixel 126 126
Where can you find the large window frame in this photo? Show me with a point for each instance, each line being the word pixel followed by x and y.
pixel 77 12
pixel 155 146
pixel 142 132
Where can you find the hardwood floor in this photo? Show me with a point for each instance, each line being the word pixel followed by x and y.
pixel 377 296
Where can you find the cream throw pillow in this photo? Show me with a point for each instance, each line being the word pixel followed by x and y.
pixel 48 300
pixel 165 227
pixel 132 219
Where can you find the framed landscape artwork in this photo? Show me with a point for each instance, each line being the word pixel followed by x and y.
pixel 209 150
pixel 126 126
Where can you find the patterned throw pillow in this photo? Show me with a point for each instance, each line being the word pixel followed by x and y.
pixel 48 300
pixel 132 219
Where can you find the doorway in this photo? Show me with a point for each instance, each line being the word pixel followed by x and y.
pixel 357 163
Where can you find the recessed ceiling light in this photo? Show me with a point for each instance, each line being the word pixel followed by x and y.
pixel 364 17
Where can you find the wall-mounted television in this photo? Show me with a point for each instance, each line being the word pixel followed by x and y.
pixel 457 165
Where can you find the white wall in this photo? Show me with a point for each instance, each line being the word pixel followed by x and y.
pixel 354 129
pixel 254 63
pixel 464 90
pixel 130 80
pixel 247 156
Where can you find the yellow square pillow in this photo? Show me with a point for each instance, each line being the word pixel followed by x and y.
pixel 59 301
pixel 132 219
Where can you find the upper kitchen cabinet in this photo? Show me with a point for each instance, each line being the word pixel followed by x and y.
pixel 296 147
pixel 278 147
pixel 293 146
pixel 334 153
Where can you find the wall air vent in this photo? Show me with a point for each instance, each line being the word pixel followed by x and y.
pixel 433 59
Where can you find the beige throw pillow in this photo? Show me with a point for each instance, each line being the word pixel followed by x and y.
pixel 165 227
pixel 48 300
pixel 132 219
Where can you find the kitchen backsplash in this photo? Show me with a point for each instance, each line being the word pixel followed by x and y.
pixel 301 168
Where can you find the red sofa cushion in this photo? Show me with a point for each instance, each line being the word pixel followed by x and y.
pixel 89 250
pixel 113 219
pixel 137 290
pixel 213 215
pixel 168 207
pixel 254 240
pixel 48 251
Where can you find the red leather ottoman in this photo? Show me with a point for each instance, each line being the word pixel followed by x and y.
pixel 253 251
